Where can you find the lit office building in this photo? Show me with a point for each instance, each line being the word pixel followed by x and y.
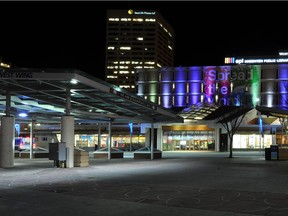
pixel 136 40
pixel 239 82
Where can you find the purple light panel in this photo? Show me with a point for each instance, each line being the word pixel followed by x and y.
pixel 194 80
pixel 166 88
pixel 283 85
pixel 180 77
pixel 224 84
pixel 209 83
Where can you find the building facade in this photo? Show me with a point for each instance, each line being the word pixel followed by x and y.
pixel 134 40
pixel 245 84
pixel 226 85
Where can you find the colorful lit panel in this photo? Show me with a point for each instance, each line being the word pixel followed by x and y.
pixel 239 75
pixel 224 84
pixel 283 84
pixel 229 60
pixel 255 84
pixel 180 77
pixel 166 88
pixel 194 82
pixel 269 73
pixel 209 77
pixel 180 74
pixel 166 75
pixel 180 94
pixel 166 98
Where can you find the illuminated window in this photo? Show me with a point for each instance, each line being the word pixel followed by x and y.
pixel 114 19
pixel 138 20
pixel 125 19
pixel 150 20
pixel 124 72
pixel 112 77
pixel 150 62
pixel 125 48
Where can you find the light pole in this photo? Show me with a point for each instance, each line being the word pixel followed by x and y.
pixel 260 121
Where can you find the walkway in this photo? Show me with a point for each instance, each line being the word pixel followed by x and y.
pixel 182 183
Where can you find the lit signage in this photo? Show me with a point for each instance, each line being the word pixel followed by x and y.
pixel 16 75
pixel 229 60
pixel 141 12
pixel 260 61
pixel 224 83
pixel 255 60
pixel 145 12
pixel 209 83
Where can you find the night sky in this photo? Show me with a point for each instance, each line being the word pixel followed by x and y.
pixel 71 34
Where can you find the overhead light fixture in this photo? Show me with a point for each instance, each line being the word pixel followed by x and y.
pixel 23 115
pixel 73 81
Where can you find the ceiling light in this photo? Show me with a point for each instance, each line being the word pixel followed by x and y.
pixel 73 81
pixel 23 115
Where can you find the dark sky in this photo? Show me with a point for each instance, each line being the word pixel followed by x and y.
pixel 71 34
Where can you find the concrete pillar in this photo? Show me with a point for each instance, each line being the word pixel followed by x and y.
pixel 147 137
pixel 67 136
pixel 152 141
pixel 7 142
pixel 159 138
pixel 217 138
pixel 109 142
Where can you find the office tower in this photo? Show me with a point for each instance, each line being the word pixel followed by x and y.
pixel 135 40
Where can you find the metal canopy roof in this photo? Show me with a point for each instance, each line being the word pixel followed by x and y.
pixel 43 94
pixel 270 111
pixel 198 111
pixel 227 113
pixel 206 111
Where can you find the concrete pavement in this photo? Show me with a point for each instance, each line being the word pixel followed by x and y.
pixel 181 183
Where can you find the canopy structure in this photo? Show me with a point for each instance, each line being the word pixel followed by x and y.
pixel 221 114
pixel 272 111
pixel 49 94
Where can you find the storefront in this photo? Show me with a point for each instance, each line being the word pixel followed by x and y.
pixel 122 142
pixel 190 137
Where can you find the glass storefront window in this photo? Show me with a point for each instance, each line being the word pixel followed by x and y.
pixel 188 140
pixel 117 141
pixel 252 141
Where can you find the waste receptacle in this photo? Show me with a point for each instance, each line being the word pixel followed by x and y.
pixel 57 152
pixel 267 154
pixel 274 149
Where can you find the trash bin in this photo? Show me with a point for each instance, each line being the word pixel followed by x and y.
pixel 274 149
pixel 267 154
pixel 57 152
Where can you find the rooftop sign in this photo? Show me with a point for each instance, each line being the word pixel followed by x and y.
pixel 261 61
pixel 283 58
pixel 141 12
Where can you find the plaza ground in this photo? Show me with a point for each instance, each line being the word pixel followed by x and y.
pixel 181 183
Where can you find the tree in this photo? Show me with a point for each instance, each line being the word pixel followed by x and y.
pixel 231 122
